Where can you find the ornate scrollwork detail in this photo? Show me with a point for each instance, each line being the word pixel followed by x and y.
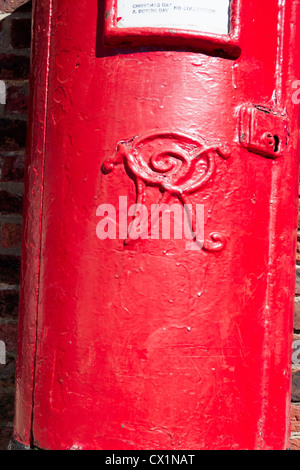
pixel 179 164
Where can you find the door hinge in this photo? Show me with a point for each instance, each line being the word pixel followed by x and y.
pixel 263 131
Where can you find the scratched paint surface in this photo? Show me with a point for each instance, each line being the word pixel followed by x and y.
pixel 151 346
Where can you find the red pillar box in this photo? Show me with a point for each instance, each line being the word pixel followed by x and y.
pixel 160 226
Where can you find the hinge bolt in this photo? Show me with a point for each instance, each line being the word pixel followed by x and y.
pixel 269 139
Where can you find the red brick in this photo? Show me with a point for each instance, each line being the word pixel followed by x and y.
pixel 9 269
pixel 5 436
pixel 6 407
pixel 297 314
pixel 10 203
pixel 14 67
pixel 9 302
pixel 9 334
pixel 12 168
pixel 17 99
pixel 295 418
pixel 8 6
pixel 10 235
pixel 296 386
pixel 295 444
pixel 13 134
pixel 297 287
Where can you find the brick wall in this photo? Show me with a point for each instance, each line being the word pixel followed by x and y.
pixel 14 71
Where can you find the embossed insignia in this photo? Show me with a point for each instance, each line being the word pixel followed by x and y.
pixel 179 164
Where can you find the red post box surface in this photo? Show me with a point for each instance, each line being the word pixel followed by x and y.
pixel 150 344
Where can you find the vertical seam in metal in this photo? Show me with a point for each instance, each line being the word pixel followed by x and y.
pixel 49 26
pixel 280 55
pixel 261 438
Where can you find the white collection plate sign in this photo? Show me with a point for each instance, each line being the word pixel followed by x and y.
pixel 207 16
